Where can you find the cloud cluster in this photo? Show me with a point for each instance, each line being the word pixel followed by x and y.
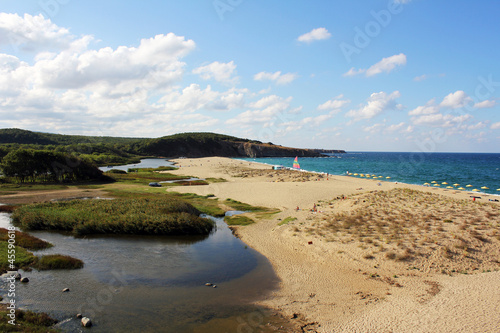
pixel 220 72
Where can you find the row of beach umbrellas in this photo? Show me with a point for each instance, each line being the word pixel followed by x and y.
pixel 367 175
pixel 436 184
pixel 433 183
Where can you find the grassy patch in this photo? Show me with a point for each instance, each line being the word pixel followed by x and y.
pixel 237 205
pixel 142 176
pixel 201 202
pixel 23 258
pixel 7 208
pixel 238 220
pixel 10 187
pixel 26 321
pixel 216 180
pixel 149 215
pixel 25 240
pixel 58 261
pixel 287 220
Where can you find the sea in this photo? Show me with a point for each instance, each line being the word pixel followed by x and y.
pixel 481 171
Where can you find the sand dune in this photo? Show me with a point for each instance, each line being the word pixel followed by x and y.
pixel 330 280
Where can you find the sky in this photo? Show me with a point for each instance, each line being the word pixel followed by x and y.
pixel 361 75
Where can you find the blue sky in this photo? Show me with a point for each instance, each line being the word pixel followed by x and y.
pixel 404 75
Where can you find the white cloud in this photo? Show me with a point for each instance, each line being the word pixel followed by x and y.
pixel 441 120
pixel 429 108
pixel 495 126
pixel 32 33
pixel 420 78
pixel 395 127
pixel 485 104
pixel 386 65
pixel 264 112
pixel 377 103
pixel 221 72
pixel 456 100
pixel 353 71
pixel 315 34
pixel 276 77
pixel 479 125
pixel 334 104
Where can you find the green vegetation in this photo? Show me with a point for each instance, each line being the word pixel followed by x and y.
pixel 238 220
pixel 121 216
pixel 58 261
pixel 287 220
pixel 46 166
pixel 237 205
pixel 26 321
pixel 23 258
pixel 25 240
pixel 216 180
pixel 143 176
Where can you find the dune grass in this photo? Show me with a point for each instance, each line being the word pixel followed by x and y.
pixel 287 220
pixel 139 216
pixel 431 231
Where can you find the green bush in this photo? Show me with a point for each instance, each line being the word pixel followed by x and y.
pixel 58 261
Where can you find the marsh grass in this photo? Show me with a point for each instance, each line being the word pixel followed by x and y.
pixel 238 220
pixel 57 261
pixel 23 258
pixel 237 205
pixel 26 321
pixel 25 240
pixel 140 216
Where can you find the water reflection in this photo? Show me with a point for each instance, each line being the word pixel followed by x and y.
pixel 149 284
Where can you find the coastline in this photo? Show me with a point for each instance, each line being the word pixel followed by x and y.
pixel 328 287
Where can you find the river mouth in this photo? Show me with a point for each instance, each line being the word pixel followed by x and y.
pixel 152 283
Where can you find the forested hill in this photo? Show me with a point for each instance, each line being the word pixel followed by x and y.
pixel 116 150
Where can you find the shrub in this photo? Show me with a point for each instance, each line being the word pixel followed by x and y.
pixel 58 261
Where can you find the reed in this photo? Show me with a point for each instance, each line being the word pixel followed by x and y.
pixel 139 216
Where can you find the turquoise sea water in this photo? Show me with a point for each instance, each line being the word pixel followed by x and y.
pixel 473 169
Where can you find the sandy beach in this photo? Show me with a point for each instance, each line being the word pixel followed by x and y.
pixel 424 260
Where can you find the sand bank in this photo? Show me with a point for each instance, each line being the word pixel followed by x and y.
pixel 331 283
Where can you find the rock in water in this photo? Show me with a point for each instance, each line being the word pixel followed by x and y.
pixel 17 276
pixel 65 290
pixel 25 279
pixel 86 322
pixel 208 284
pixel 79 315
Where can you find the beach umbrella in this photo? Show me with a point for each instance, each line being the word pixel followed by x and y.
pixel 426 184
pixel 387 177
pixel 434 181
pixel 449 186
pixel 498 189
pixel 437 185
pixel 456 184
pixel 461 188
pixel 475 190
pixel 355 174
pixel 485 188
pixel 468 185
pixel 444 183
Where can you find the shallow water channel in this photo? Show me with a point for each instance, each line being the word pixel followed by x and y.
pixel 152 283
